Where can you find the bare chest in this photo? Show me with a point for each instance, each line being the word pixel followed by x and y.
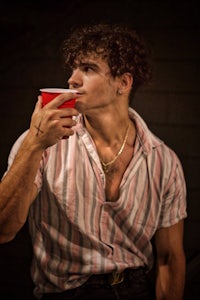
pixel 114 175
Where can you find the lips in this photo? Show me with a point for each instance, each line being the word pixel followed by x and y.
pixel 79 93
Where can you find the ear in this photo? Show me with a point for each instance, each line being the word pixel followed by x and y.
pixel 125 83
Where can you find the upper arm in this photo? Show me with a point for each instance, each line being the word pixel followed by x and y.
pixel 169 242
pixel 170 264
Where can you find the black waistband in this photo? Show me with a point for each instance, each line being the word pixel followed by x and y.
pixel 114 277
pixel 98 280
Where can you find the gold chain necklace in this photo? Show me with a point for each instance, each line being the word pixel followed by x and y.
pixel 106 165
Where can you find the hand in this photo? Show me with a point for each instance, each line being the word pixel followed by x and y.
pixel 50 124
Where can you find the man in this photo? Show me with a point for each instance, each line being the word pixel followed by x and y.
pixel 96 200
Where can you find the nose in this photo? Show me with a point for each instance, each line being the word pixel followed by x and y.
pixel 75 80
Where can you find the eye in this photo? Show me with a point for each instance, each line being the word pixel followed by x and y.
pixel 87 69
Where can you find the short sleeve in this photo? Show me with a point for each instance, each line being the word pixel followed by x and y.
pixel 173 207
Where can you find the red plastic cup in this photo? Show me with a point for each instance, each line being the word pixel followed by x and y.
pixel 48 94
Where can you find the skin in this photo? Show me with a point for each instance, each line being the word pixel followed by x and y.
pixel 14 199
pixel 170 279
pixel 105 112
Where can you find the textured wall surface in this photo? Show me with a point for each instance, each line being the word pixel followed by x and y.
pixel 31 36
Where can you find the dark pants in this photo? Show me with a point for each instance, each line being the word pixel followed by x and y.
pixel 136 286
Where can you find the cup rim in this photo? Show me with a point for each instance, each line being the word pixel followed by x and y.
pixel 57 90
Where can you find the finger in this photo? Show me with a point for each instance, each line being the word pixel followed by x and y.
pixel 68 112
pixel 60 99
pixel 38 105
pixel 68 122
pixel 67 132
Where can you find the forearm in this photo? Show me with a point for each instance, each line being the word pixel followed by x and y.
pixel 170 279
pixel 17 190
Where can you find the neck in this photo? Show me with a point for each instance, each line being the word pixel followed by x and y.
pixel 107 131
pixel 107 164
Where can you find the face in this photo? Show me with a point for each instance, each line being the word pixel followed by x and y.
pixel 95 84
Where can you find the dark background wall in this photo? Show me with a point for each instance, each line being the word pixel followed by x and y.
pixel 31 33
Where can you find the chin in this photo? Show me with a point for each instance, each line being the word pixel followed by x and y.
pixel 79 106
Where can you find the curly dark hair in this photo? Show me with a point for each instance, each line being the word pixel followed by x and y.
pixel 119 45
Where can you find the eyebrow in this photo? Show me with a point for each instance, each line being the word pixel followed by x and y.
pixel 88 64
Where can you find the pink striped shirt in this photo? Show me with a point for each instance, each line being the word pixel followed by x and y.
pixel 76 232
